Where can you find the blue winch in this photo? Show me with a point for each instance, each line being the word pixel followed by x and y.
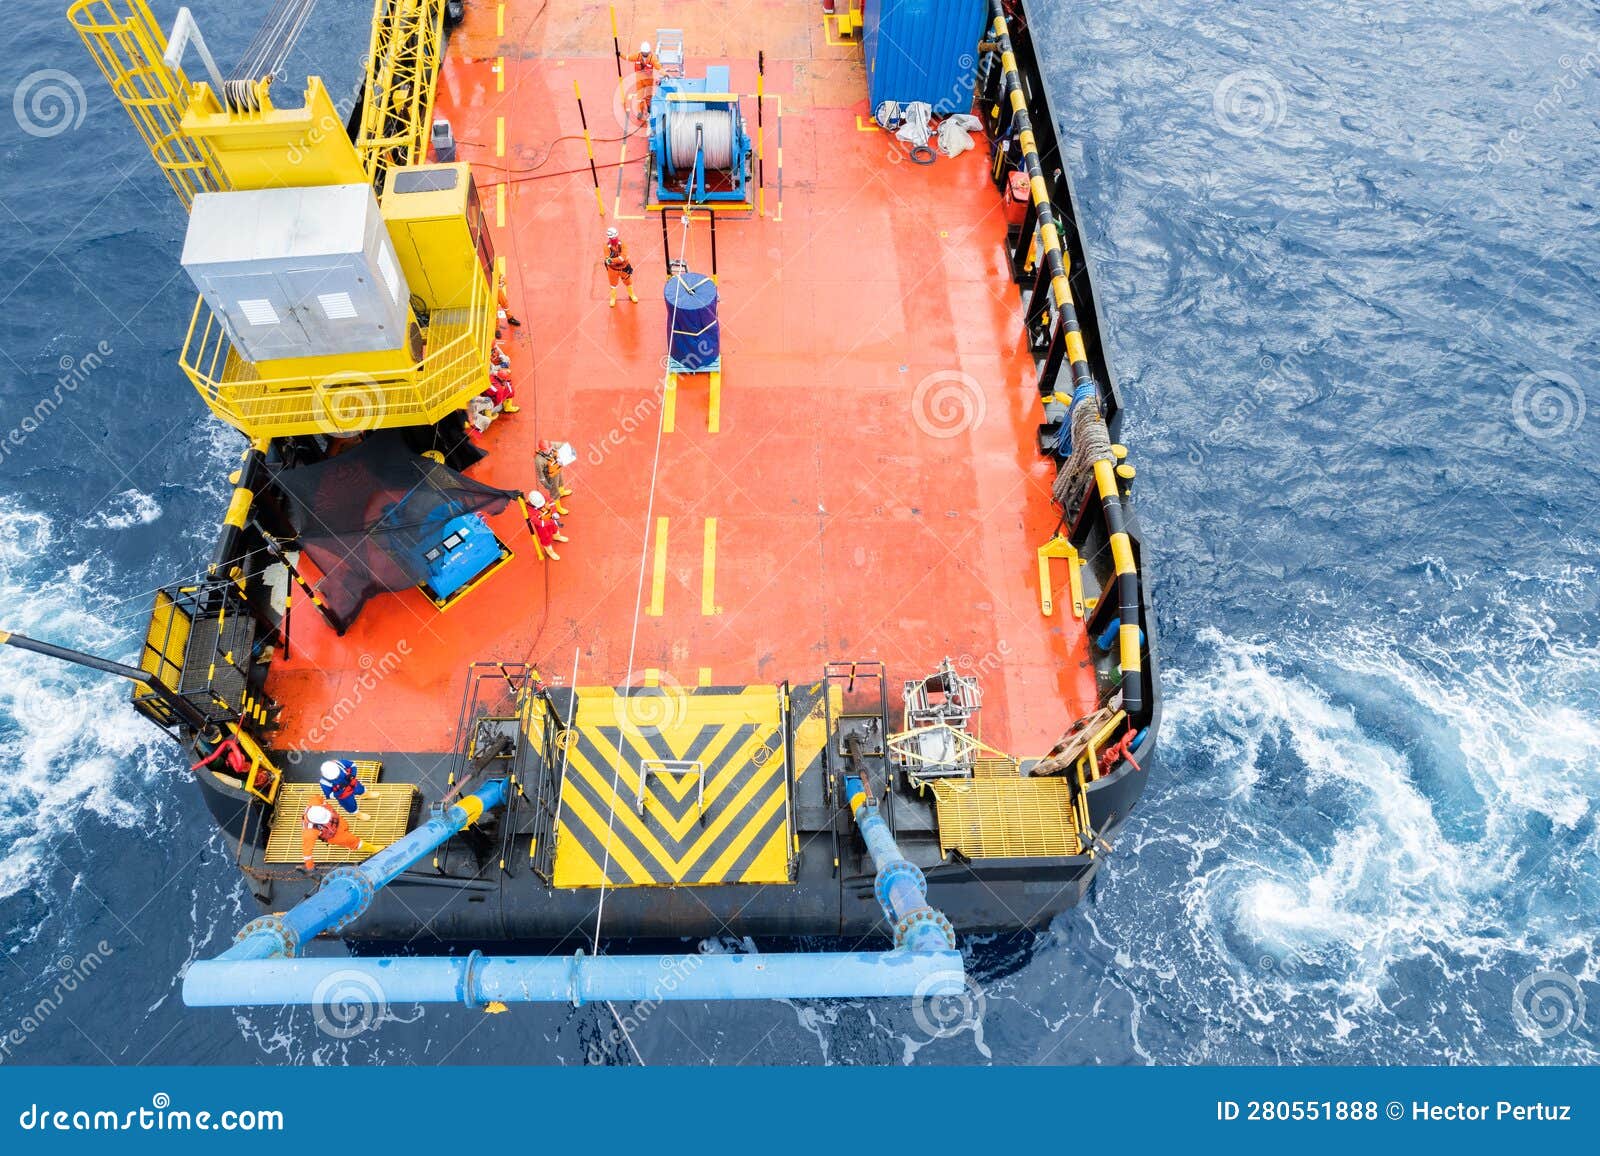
pixel 699 149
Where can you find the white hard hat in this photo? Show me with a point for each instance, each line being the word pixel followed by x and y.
pixel 645 48
pixel 332 769
pixel 536 499
pixel 612 234
pixel 319 815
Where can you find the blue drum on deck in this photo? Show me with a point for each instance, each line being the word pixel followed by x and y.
pixel 694 337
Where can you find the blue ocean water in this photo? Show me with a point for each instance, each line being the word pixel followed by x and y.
pixel 1349 267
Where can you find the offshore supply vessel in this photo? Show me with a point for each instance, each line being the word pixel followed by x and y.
pixel 801 598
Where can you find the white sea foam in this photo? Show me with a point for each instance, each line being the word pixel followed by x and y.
pixel 1383 804
pixel 125 510
pixel 71 743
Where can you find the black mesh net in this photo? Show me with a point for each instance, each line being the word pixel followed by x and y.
pixel 366 517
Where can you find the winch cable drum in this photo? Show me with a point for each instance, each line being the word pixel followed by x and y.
pixel 690 130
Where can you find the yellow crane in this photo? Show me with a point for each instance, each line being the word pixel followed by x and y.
pixel 396 330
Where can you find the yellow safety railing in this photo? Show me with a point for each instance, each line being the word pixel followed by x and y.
pixel 127 44
pixel 332 400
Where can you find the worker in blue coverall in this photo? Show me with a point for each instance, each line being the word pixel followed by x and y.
pixel 342 784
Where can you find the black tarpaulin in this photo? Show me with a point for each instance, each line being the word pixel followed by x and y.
pixel 365 517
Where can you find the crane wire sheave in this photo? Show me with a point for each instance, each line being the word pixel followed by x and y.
pixel 402 77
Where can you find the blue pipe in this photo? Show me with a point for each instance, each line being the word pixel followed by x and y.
pixel 476 979
pixel 1108 636
pixel 261 968
pixel 901 888
pixel 347 891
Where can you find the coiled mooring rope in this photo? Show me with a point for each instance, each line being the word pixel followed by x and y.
pixel 1091 443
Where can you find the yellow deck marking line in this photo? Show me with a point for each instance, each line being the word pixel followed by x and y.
pixel 658 576
pixel 708 574
pixel 499 136
pixel 669 403
pixel 500 20
pixel 500 205
pixel 652 676
pixel 714 400
pixel 705 676
pixel 500 74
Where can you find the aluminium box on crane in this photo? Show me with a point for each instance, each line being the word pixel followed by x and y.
pixel 923 50
pixel 302 272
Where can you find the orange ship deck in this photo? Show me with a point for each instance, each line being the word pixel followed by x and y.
pixel 872 489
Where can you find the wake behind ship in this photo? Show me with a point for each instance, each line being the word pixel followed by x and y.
pixel 683 495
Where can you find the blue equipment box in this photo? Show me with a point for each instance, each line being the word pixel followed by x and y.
pixel 466 551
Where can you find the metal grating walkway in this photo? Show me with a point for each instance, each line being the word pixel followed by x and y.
pixel 1006 818
pixel 388 807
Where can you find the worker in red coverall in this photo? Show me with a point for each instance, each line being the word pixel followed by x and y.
pixel 322 824
pixel 500 392
pixel 546 526
pixel 644 75
pixel 619 270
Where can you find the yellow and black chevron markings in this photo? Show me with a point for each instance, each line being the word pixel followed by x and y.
pixel 736 735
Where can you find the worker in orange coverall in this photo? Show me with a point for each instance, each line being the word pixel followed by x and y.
pixel 619 270
pixel 322 824
pixel 644 74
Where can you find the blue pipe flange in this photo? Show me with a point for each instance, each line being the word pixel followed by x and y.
pixel 273 925
pixel 360 883
pixel 924 917
pixel 465 991
pixel 894 872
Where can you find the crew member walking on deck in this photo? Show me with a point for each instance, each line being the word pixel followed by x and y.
pixel 323 825
pixel 644 76
pixel 341 783
pixel 546 526
pixel 619 270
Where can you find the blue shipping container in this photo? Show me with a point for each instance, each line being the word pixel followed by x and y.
pixel 923 50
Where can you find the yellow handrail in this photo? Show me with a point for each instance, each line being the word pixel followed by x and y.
pixel 330 400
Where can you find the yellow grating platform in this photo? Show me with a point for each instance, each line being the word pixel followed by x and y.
pixel 742 833
pixel 388 808
pixel 997 768
pixel 1006 818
